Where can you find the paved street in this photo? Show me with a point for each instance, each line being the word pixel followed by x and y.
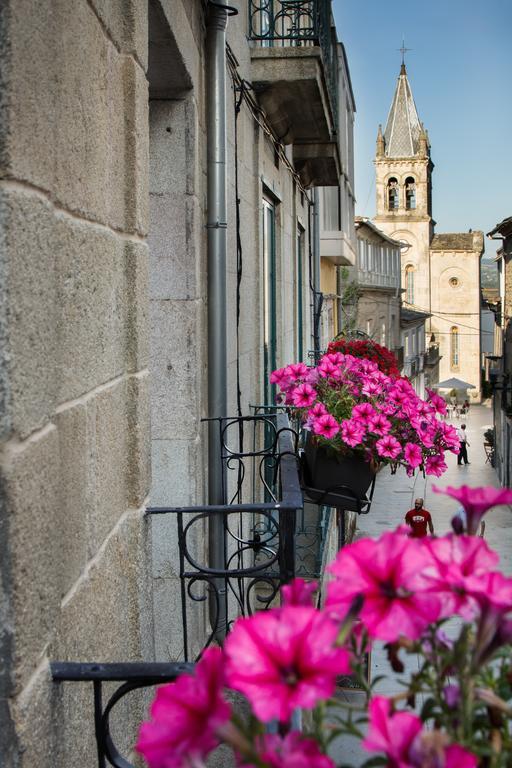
pixel 395 494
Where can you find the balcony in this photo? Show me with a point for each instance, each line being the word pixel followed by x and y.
pixel 432 356
pixel 294 72
pixel 373 279
pixel 335 247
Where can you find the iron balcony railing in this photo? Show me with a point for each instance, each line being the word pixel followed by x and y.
pixel 263 497
pixel 432 356
pixel 274 23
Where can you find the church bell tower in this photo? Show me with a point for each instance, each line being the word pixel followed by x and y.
pixel 403 169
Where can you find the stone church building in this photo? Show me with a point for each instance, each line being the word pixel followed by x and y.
pixel 440 272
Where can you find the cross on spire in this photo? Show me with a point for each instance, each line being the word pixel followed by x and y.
pixel 403 50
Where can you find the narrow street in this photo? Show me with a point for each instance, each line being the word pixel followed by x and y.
pixel 394 496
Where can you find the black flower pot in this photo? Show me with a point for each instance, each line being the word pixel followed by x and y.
pixel 335 475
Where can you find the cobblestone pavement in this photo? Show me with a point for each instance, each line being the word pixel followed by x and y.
pixel 394 495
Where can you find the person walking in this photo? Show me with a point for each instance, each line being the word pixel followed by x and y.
pixel 418 519
pixel 463 445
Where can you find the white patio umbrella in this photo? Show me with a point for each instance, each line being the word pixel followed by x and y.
pixel 452 384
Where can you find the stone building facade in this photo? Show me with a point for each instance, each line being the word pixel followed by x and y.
pixel 103 318
pixel 500 373
pixel 377 275
pixel 440 272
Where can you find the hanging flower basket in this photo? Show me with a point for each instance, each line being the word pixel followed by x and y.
pixel 332 473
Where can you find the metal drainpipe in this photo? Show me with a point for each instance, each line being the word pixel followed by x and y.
pixel 316 268
pixel 217 345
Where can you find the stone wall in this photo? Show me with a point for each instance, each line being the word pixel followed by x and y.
pixel 103 331
pixel 74 459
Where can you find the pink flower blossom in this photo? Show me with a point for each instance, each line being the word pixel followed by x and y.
pixel 400 736
pixel 318 409
pixel 379 425
pixel 476 501
pixel 387 573
pixel 299 592
pixel 185 716
pixel 457 563
pixel 388 446
pixel 435 465
pixel 363 412
pixel 391 733
pixel 290 751
pixel 296 370
pixel 352 432
pixel 304 395
pixel 413 455
pixel 280 377
pixel 326 425
pixel 284 659
pixel 437 401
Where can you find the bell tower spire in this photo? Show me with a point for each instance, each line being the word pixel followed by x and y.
pixel 402 163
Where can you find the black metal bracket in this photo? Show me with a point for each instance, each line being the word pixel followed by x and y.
pixel 132 676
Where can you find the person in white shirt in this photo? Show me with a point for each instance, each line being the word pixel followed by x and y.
pixel 463 445
pixel 461 519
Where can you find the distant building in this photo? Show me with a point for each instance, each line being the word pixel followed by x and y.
pixel 377 274
pixel 500 372
pixel 412 325
pixel 440 272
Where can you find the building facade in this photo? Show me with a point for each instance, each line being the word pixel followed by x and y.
pixel 500 369
pixel 337 207
pixel 377 276
pixel 108 223
pixel 440 272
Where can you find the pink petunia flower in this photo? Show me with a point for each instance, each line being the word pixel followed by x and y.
pixel 352 432
pixel 317 410
pixel 363 412
pixel 185 716
pixel 458 562
pixel 437 401
pixel 290 751
pixel 304 396
pixel 280 377
pixel 387 573
pixel 379 424
pixel 400 736
pixel 413 455
pixel 388 447
pixel 299 592
pixel 435 465
pixel 476 501
pixel 284 659
pixel 296 370
pixel 326 425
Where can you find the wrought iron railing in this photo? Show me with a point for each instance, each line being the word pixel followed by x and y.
pixel 279 23
pixel 131 676
pixel 432 355
pixel 262 489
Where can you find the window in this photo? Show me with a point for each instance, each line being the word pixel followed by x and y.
pixel 383 334
pixel 410 194
pixel 409 284
pixel 406 345
pixel 454 347
pixel 269 296
pixel 454 282
pixel 393 194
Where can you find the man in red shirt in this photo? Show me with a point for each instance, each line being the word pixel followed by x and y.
pixel 418 519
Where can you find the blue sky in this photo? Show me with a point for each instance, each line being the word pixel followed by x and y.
pixel 460 70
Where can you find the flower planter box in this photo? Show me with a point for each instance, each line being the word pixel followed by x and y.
pixel 336 475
